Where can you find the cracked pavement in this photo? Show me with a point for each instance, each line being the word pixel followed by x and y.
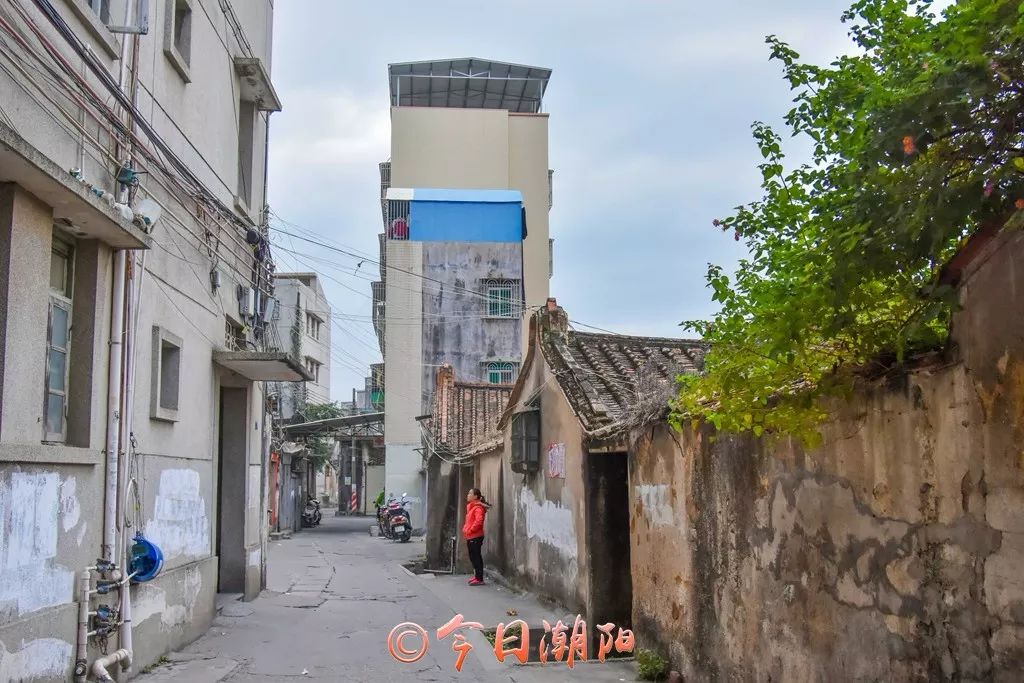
pixel 333 595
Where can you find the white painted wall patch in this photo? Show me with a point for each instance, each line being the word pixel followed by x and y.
pixel 549 523
pixel 70 510
pixel 30 580
pixel 40 658
pixel 656 502
pixel 179 524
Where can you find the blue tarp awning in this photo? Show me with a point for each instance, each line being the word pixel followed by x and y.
pixel 443 215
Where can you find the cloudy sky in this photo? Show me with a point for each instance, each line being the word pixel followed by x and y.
pixel 651 103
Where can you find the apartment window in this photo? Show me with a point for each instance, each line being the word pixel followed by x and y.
pixel 166 377
pixel 501 298
pixel 178 36
pixel 101 8
pixel 501 373
pixel 313 324
pixel 313 367
pixel 246 149
pixel 234 336
pixel 58 339
pixel 525 441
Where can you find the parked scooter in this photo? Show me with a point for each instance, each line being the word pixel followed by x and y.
pixel 399 520
pixel 311 515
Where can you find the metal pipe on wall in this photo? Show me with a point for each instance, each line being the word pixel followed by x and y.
pixel 114 407
pixel 136 279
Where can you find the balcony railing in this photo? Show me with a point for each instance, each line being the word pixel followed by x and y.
pixel 398 219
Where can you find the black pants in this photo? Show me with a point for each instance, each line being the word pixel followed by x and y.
pixel 475 546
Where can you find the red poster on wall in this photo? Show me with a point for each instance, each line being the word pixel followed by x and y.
pixel 556 460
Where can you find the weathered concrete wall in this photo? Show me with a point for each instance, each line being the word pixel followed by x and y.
pixel 892 552
pixel 457 331
pixel 456 328
pixel 446 514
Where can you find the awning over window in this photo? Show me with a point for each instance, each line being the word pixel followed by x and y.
pixel 73 202
pixel 256 85
pixel 263 366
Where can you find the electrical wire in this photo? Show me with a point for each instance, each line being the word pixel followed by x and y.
pixel 351 254
pixel 62 84
pixel 198 190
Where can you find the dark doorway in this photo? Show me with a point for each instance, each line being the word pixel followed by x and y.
pixel 611 582
pixel 231 495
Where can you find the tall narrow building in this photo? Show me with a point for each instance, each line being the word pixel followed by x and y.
pixel 465 251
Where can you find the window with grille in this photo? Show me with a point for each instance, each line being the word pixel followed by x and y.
pixel 58 340
pixel 525 441
pixel 501 373
pixel 502 299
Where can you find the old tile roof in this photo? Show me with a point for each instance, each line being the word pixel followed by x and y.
pixel 465 414
pixel 615 380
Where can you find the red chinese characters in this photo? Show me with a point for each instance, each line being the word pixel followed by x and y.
pixel 459 644
pixel 513 640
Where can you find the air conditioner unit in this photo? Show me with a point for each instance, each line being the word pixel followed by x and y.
pixel 272 312
pixel 246 302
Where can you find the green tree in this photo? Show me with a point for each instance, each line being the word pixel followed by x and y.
pixel 320 447
pixel 917 141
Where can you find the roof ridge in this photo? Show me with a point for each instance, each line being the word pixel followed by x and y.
pixel 635 337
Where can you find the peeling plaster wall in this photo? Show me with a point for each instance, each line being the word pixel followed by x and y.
pixel 892 552
pixel 456 330
pixel 45 537
pixel 536 529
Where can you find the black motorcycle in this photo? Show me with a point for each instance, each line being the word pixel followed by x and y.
pixel 311 515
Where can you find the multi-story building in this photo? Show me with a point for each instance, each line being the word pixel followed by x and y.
pixel 465 251
pixel 135 292
pixel 304 329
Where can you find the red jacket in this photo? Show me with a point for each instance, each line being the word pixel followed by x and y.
pixel 474 526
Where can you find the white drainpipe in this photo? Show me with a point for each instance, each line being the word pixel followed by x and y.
pixel 82 655
pixel 114 408
pixel 99 667
pixel 135 300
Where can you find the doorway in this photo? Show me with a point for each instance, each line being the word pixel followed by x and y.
pixel 611 581
pixel 231 493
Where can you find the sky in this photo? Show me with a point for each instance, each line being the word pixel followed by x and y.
pixel 650 105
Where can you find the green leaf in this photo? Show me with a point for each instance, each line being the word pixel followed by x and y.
pixel 844 247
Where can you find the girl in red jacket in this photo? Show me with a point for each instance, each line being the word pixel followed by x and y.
pixel 473 530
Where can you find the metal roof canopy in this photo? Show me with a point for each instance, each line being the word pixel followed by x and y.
pixel 468 83
pixel 332 423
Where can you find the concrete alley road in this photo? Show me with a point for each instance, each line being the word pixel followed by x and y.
pixel 334 594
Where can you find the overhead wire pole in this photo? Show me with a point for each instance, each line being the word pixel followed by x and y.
pixel 352 457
